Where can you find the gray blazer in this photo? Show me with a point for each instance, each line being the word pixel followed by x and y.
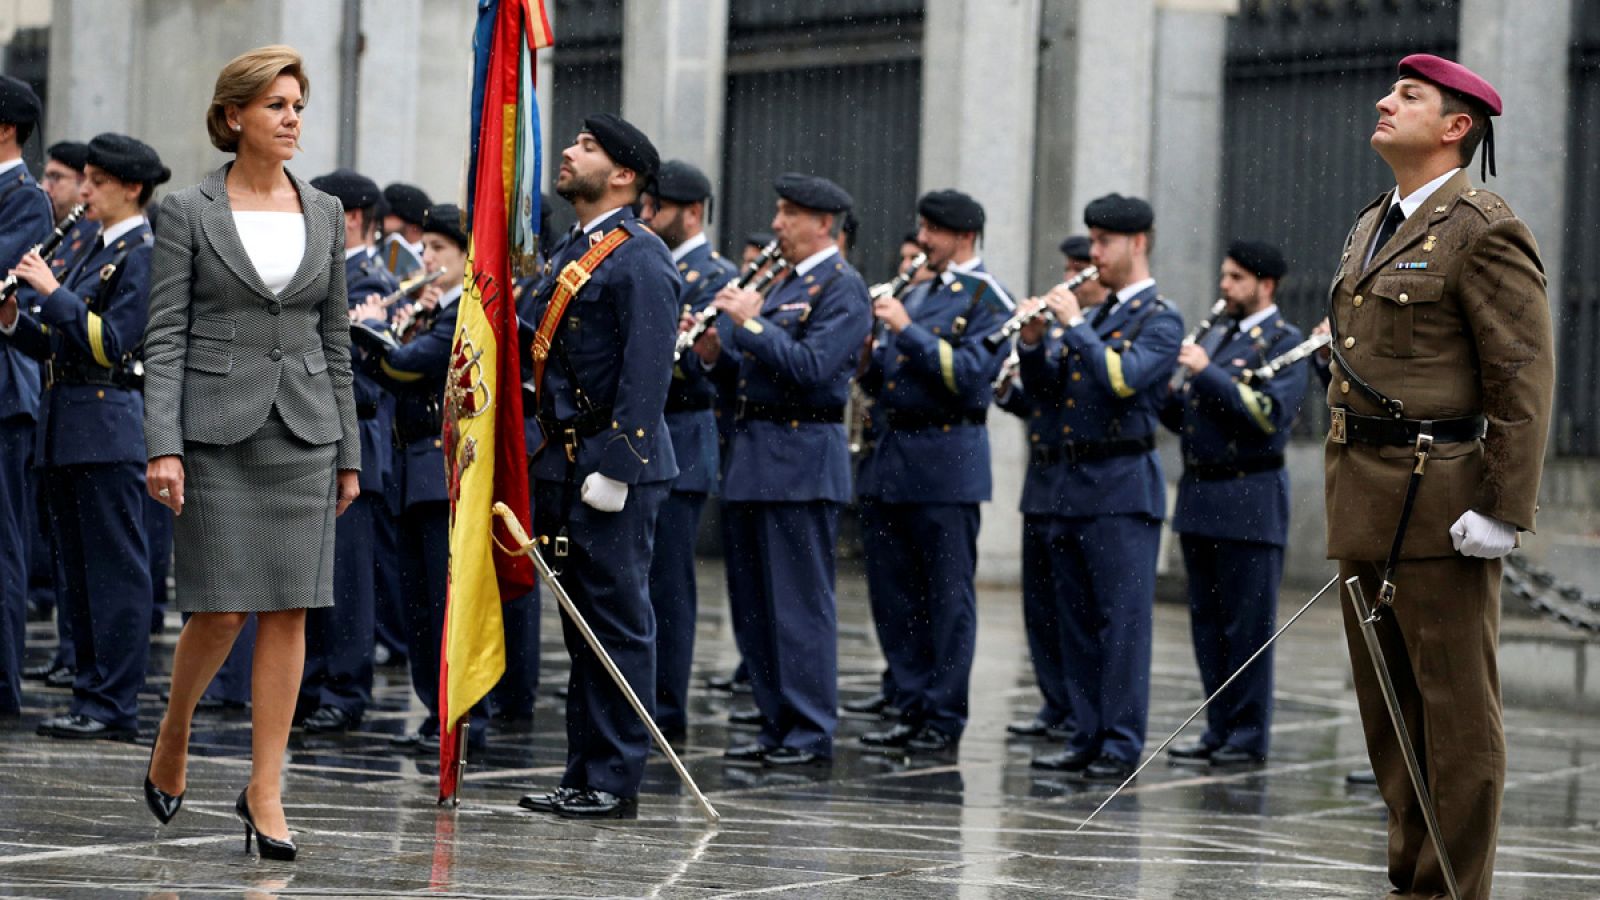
pixel 221 349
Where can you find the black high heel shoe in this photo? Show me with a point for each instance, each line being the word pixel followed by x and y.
pixel 270 848
pixel 162 804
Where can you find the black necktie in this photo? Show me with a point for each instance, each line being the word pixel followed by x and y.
pixel 1391 224
pixel 1104 310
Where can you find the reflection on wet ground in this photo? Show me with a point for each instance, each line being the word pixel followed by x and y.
pixel 977 825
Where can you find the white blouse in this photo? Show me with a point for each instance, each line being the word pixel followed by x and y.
pixel 275 242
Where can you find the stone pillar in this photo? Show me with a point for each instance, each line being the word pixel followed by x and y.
pixel 979 81
pixel 1522 50
pixel 674 80
pixel 390 110
pixel 90 91
pixel 443 86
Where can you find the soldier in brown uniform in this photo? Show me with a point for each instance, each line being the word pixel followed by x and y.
pixel 1441 327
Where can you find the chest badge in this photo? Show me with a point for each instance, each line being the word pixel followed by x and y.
pixel 1430 243
pixel 692 277
pixel 107 270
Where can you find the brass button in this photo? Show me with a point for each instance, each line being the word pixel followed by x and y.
pixel 1344 387
pixel 888 385
pixel 1077 376
pixel 1358 301
pixel 794 423
pixel 1034 438
pixel 1349 342
pixel 100 394
pixel 1404 298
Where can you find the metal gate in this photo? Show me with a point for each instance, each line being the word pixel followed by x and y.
pixel 587 78
pixel 1300 83
pixel 1577 428
pixel 829 88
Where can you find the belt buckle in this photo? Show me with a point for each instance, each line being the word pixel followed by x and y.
pixel 1336 427
pixel 739 409
pixel 569 441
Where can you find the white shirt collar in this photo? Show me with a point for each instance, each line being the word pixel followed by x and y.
pixel 592 223
pixel 353 252
pixel 949 273
pixel 450 296
pixel 10 164
pixel 1252 321
pixel 815 259
pixel 688 246
pixel 110 235
pixel 1134 289
pixel 1410 202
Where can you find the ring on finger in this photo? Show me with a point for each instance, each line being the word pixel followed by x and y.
pixel 164 493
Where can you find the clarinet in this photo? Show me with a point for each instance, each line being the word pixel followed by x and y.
pixel 1288 358
pixel 1204 325
pixel 897 286
pixel 708 316
pixel 1017 322
pixel 411 286
pixel 46 249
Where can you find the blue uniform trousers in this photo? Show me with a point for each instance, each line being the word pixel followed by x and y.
pixel 741 672
pixel 103 582
pixel 605 574
pixel 16 449
pixel 1233 607
pixel 1104 569
pixel 158 538
pixel 390 625
pixel 673 595
pixel 921 562
pixel 339 637
pixel 424 579
pixel 781 577
pixel 1041 620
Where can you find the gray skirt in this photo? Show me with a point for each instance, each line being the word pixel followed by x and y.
pixel 256 533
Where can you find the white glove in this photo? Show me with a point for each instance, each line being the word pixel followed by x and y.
pixel 604 494
pixel 1482 536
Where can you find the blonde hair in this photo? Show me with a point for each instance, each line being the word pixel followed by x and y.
pixel 244 79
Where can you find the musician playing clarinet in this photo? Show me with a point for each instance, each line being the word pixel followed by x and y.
pixel 1232 516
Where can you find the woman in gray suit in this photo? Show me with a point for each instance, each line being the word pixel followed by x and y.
pixel 250 420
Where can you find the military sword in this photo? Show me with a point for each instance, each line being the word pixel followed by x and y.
pixel 527 548
pixel 1214 695
pixel 1368 616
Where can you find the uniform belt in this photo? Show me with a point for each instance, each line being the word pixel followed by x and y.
pixel 919 419
pixel 1074 452
pixel 689 404
pixel 587 424
pixel 68 373
pixel 1227 470
pixel 1348 427
pixel 788 412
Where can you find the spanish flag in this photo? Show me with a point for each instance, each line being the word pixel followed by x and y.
pixel 485 455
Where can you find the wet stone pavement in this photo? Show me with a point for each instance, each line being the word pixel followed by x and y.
pixel 977 825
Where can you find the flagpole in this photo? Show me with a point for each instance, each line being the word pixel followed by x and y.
pixel 527 548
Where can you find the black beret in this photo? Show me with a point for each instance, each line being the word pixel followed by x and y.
pixel 19 105
pixel 127 158
pixel 407 201
pixel 354 190
pixel 1259 258
pixel 1124 215
pixel 625 144
pixel 445 219
pixel 951 209
pixel 679 182
pixel 813 192
pixel 758 239
pixel 909 237
pixel 1076 246
pixel 71 154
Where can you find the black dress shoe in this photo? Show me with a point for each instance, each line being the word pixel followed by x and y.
pixel 1065 761
pixel 39 672
pixel 783 757
pixel 931 740
pixel 83 728
pixel 1107 770
pixel 723 683
pixel 872 706
pixel 897 736
pixel 751 754
pixel 1190 753
pixel 1228 756
pixel 1062 733
pixel 597 805
pixel 330 720
pixel 416 742
pixel 546 802
pixel 61 677
pixel 1362 778
pixel 270 848
pixel 750 717
pixel 162 804
pixel 1035 727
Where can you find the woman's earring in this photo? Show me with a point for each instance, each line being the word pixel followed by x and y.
pixel 236 126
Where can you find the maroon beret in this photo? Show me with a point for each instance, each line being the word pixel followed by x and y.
pixel 1453 76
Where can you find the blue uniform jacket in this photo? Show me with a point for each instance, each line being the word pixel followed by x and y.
pixel 618 333
pixel 416 373
pixel 691 398
pixel 92 323
pixel 1095 383
pixel 1225 422
pixel 80 239
pixel 801 351
pixel 365 274
pixel 931 369
pixel 25 220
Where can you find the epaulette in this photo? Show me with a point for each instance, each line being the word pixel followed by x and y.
pixel 636 228
pixel 1491 205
